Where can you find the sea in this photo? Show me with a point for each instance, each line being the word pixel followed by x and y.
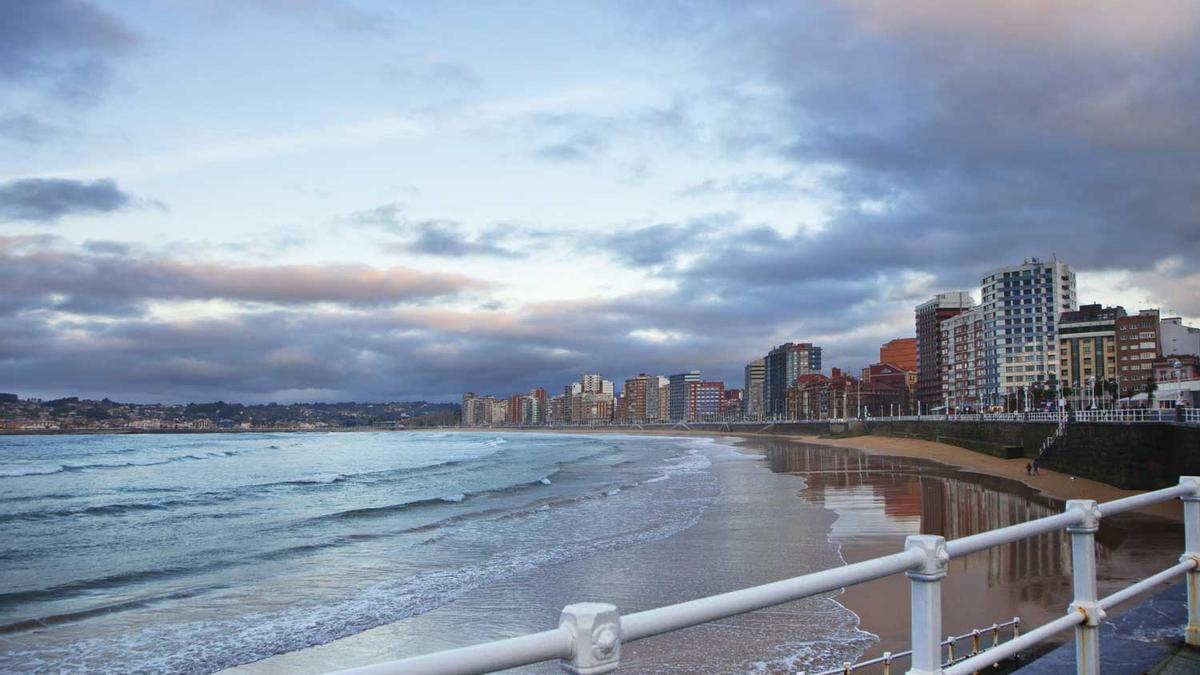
pixel 308 552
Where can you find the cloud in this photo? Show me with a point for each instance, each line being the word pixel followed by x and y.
pixel 660 243
pixel 45 200
pixel 447 238
pixel 756 185
pixel 61 47
pixel 27 129
pixel 107 280
pixel 435 237
pixel 581 146
pixel 341 16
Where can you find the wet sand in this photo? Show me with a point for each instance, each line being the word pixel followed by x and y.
pixel 895 487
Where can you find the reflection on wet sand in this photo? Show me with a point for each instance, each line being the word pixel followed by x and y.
pixel 880 500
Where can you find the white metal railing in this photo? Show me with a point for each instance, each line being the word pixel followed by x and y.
pixel 589 635
pixel 1187 415
pixel 888 659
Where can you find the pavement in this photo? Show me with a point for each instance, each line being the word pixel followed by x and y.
pixel 1145 639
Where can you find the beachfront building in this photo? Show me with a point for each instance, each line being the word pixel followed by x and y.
pixel 900 352
pixel 1021 305
pixel 470 410
pixel 556 412
pixel 664 398
pixel 639 399
pixel 732 405
pixel 930 343
pixel 592 400
pixel 781 366
pixel 678 394
pixel 1178 339
pixel 705 400
pixel 1138 346
pixel 1087 352
pixel 1177 381
pixel 753 388
pixel 962 361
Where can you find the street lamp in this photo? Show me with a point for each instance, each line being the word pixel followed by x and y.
pixel 1091 382
pixel 1177 368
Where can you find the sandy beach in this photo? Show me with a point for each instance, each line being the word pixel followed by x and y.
pixel 905 481
pixel 933 488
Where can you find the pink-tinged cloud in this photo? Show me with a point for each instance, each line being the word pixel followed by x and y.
pixel 97 282
pixel 1094 25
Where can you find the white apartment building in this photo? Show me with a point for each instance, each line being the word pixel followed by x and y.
pixel 1020 307
pixel 1178 339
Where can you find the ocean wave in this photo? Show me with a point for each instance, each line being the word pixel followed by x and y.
pixel 111 509
pixel 209 645
pixel 18 470
pixel 454 498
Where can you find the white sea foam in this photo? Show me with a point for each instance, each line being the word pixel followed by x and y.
pixel 16 470
pixel 454 497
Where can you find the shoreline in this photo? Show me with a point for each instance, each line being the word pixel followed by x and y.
pixel 875 603
pixel 1050 483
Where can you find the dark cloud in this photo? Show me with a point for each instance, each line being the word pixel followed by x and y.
pixel 951 142
pixel 659 244
pixel 27 129
pixel 60 47
pixel 45 200
pixel 107 281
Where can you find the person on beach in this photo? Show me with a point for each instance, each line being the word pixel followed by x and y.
pixel 1035 467
pixel 1028 469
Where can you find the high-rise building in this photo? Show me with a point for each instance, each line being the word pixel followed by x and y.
pixel 1178 339
pixel 753 389
pixel 1087 346
pixel 732 405
pixel 930 342
pixel 664 398
pixel 704 400
pixel 1138 347
pixel 781 366
pixel 470 410
pixel 639 399
pixel 557 407
pixel 961 360
pixel 678 405
pixel 900 352
pixel 1021 305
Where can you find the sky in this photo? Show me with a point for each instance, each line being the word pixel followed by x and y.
pixel 300 200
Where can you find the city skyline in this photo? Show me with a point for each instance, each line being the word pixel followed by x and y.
pixel 313 201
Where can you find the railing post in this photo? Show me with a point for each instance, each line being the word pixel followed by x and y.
pixel 1191 549
pixel 595 629
pixel 926 582
pixel 1083 577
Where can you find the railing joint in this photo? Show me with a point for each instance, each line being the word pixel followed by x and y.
pixel 1088 513
pixel 595 629
pixel 1093 613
